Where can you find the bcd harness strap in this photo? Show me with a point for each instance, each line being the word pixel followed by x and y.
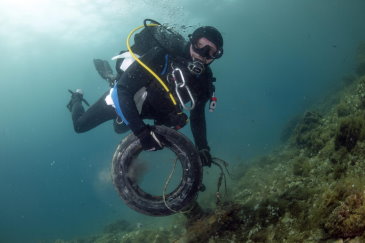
pixel 117 105
pixel 164 70
pixel 138 98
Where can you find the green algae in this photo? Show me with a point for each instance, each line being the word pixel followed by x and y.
pixel 311 190
pixel 343 110
pixel 347 212
pixel 120 225
pixel 309 133
pixel 350 131
pixel 302 167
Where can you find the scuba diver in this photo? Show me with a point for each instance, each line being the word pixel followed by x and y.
pixel 135 94
pixel 156 79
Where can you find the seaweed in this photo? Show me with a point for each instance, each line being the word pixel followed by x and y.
pixel 343 110
pixel 120 225
pixel 350 131
pixel 309 135
pixel 348 218
pixel 289 128
pixel 301 167
pixel 217 224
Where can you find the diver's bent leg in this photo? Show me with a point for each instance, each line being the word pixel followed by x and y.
pixel 98 113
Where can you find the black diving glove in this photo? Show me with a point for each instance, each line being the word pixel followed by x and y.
pixel 205 157
pixel 149 139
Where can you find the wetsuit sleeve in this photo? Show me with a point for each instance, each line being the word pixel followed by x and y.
pixel 198 124
pixel 134 78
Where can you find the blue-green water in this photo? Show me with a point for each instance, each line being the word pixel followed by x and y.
pixel 280 57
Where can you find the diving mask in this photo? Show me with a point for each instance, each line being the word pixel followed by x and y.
pixel 208 52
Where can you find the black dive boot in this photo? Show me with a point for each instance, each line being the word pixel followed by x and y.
pixel 77 96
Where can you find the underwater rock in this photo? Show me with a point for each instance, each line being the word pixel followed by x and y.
pixel 214 225
pixel 118 226
pixel 343 110
pixel 311 119
pixel 301 167
pixel 289 129
pixel 153 236
pixel 308 134
pixel 361 92
pixel 348 219
pixel 349 132
pixel 339 161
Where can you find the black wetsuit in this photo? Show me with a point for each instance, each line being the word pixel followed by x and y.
pixel 157 105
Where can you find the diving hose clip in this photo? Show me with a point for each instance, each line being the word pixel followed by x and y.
pixel 212 103
pixel 196 67
pixel 181 85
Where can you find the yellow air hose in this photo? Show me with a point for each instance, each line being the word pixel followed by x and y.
pixel 146 67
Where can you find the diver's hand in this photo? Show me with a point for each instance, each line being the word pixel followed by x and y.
pixel 149 139
pixel 205 157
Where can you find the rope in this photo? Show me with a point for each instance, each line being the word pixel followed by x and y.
pixel 165 187
pixel 217 161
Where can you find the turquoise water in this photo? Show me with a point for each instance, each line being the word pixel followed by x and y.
pixel 280 58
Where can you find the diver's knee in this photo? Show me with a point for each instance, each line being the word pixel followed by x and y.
pixel 79 129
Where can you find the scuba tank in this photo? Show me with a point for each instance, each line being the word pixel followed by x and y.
pixel 157 35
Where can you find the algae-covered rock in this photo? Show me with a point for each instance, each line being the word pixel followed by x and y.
pixel 310 135
pixel 348 219
pixel 118 226
pixel 343 110
pixel 360 92
pixel 301 166
pixel 218 224
pixel 289 128
pixel 142 236
pixel 350 131
pixel 339 160
pixel 310 120
pixel 341 208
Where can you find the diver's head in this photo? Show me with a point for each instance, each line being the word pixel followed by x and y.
pixel 206 44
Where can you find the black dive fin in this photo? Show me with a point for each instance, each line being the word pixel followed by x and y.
pixel 104 69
